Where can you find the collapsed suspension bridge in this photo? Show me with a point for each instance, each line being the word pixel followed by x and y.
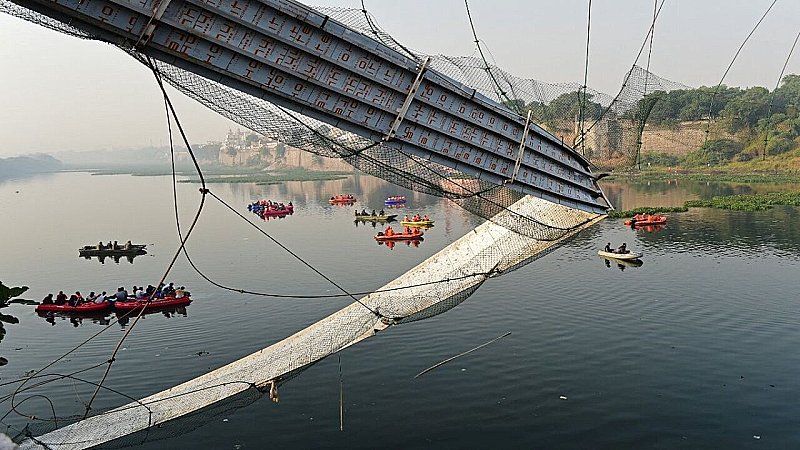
pixel 283 69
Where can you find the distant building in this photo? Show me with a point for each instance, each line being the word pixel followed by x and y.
pixel 245 148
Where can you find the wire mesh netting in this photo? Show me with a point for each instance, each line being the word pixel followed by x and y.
pixel 520 228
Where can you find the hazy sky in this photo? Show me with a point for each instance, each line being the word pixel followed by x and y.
pixel 62 93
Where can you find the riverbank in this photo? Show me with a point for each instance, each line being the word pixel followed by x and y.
pixel 704 176
pixel 217 173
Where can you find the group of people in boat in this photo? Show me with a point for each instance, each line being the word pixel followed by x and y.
pixel 365 213
pixel 348 197
pixel 407 231
pixel 396 199
pixel 416 218
pixel 648 218
pixel 269 205
pixel 115 246
pixel 622 249
pixel 122 295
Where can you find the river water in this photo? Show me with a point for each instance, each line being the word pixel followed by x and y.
pixel 696 348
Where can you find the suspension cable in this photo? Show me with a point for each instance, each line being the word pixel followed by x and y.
pixel 642 119
pixel 772 95
pixel 585 81
pixel 503 94
pixel 627 76
pixel 739 50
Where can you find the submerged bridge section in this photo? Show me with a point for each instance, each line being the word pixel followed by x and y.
pixel 293 56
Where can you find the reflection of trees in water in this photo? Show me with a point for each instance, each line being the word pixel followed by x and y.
pixel 115 258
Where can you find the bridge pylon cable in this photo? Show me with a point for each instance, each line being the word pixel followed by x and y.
pixel 733 60
pixel 772 95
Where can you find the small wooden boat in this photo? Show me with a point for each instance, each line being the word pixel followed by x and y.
pixel 399 236
pixel 119 250
pixel 167 302
pixel 83 308
pixel 417 223
pixel 342 199
pixel 398 200
pixel 620 256
pixel 371 218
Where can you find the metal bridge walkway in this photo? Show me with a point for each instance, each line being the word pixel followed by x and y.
pixel 288 54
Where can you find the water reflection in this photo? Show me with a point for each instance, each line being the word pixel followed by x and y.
pixel 124 318
pixel 648 228
pixel 115 258
pixel 75 320
pixel 622 264
pixel 104 318
pixel 409 243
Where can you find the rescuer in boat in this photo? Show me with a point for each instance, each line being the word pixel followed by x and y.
pixel 100 297
pixel 61 298
pixel 121 295
pixel 48 300
pixel 389 231
pixel 381 212
pixel 363 212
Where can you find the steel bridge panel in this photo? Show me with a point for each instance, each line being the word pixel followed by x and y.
pixel 292 56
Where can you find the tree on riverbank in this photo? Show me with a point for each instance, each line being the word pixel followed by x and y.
pixel 750 125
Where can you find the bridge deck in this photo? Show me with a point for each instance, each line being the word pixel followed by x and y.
pixel 300 59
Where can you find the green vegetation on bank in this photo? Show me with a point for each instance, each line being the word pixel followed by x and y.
pixel 716 176
pixel 151 170
pixel 746 202
pixel 217 173
pixel 740 202
pixel 749 124
pixel 275 177
pixel 646 210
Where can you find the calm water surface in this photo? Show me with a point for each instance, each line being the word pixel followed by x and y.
pixel 697 348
